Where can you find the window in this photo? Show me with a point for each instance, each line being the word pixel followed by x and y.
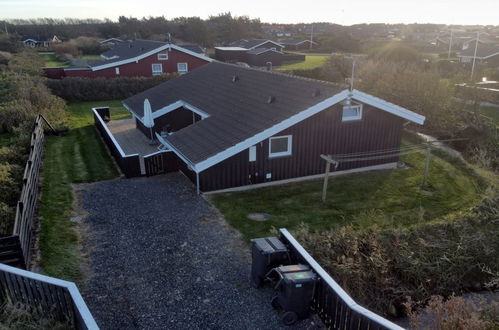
pixel 182 68
pixel 157 69
pixel 252 154
pixel 351 112
pixel 117 70
pixel 163 56
pixel 280 146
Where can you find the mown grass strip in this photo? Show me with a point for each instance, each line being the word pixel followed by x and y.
pixel 79 156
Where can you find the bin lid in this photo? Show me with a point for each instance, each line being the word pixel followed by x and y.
pixel 269 245
pixel 297 273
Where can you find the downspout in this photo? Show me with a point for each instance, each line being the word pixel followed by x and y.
pixel 197 184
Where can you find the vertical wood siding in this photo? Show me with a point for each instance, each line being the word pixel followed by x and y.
pixel 323 133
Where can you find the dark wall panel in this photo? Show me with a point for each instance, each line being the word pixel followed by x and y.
pixel 323 133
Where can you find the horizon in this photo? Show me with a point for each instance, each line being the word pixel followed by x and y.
pixel 341 12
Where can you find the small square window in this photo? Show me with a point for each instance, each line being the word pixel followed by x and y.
pixel 351 112
pixel 157 69
pixel 163 56
pixel 117 70
pixel 280 146
pixel 252 154
pixel 182 68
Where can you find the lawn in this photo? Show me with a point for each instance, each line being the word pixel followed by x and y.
pixel 311 62
pixel 492 113
pixel 78 156
pixel 52 61
pixel 92 57
pixel 390 198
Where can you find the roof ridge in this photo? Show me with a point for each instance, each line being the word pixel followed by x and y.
pixel 282 74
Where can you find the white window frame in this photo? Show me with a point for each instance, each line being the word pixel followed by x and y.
pixel 252 154
pixel 283 153
pixel 117 70
pixel 163 56
pixel 156 73
pixel 351 118
pixel 186 67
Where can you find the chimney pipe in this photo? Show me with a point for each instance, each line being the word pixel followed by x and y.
pixel 269 66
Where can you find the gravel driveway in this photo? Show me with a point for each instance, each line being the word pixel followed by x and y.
pixel 161 258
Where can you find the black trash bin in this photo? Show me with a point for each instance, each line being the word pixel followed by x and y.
pixel 266 253
pixel 295 286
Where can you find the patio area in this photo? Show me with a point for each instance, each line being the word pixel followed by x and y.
pixel 131 140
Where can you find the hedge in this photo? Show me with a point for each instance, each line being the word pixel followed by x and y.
pixel 100 89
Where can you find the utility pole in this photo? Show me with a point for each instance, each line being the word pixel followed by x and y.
pixel 311 37
pixel 474 56
pixel 450 43
pixel 353 73
pixel 329 161
pixel 427 164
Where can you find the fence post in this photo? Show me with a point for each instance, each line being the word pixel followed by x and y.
pixel 427 164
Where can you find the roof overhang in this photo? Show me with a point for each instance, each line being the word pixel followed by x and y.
pixel 267 50
pixel 149 53
pixel 275 43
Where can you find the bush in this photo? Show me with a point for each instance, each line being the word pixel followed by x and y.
pixel 381 268
pixel 87 45
pixel 97 89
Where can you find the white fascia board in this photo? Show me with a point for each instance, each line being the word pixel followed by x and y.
pixel 275 43
pixel 491 55
pixel 388 107
pixel 203 165
pixel 152 52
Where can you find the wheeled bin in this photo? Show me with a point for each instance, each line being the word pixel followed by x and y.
pixel 266 253
pixel 295 291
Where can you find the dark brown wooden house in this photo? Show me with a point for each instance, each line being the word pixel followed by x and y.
pixel 231 126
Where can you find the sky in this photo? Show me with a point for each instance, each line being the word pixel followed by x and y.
pixel 345 12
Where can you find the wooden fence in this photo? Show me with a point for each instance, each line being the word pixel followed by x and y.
pixel 129 164
pixel 45 296
pixel 16 250
pixel 334 306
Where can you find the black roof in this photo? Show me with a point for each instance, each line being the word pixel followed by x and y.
pixel 237 108
pixel 295 41
pixel 248 44
pixel 35 38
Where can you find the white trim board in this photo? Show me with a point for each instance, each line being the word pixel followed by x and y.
pixel 275 43
pixel 149 53
pixel 387 166
pixel 267 50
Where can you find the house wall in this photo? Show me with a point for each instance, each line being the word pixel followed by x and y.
pixel 175 120
pixel 230 55
pixel 270 45
pixel 323 133
pixel 263 58
pixel 143 68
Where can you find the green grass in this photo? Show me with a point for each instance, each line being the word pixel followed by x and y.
pixel 79 156
pixel 52 61
pixel 492 113
pixel 311 62
pixel 92 57
pixel 383 198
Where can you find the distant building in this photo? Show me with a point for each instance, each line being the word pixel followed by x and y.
pixel 489 53
pixel 255 52
pixel 39 41
pixel 298 44
pixel 137 58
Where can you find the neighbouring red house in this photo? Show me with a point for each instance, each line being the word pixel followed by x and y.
pixel 136 58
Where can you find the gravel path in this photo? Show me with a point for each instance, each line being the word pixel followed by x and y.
pixel 161 258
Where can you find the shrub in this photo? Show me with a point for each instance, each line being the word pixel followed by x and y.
pixel 86 89
pixel 381 268
pixel 454 313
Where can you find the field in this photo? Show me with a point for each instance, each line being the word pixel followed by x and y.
pixel 52 61
pixel 78 156
pixel 390 198
pixel 311 62
pixel 92 57
pixel 492 113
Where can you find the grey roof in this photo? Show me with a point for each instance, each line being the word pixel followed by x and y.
pixel 258 51
pixel 237 110
pixel 193 48
pixel 248 44
pixel 133 48
pixel 483 51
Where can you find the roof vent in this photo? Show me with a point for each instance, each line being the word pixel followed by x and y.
pixel 141 49
pixel 269 66
pixel 235 78
pixel 130 45
pixel 271 99
pixel 316 93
